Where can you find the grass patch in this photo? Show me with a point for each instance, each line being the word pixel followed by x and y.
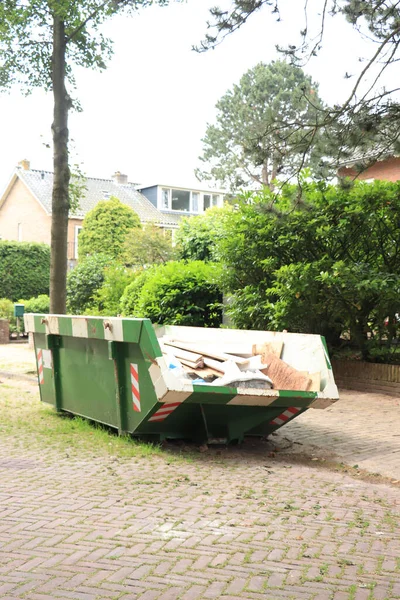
pixel 39 425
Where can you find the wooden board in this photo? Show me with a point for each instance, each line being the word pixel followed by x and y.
pixel 214 364
pixel 283 376
pixel 274 348
pixel 207 352
pixel 191 356
pixel 196 365
pixel 315 385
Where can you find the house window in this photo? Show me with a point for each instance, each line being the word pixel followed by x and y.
pixel 207 201
pixel 78 229
pixel 20 232
pixel 165 198
pixel 180 200
pixel 215 199
pixel 195 201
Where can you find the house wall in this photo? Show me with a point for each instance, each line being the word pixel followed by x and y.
pixel 21 207
pixel 151 194
pixel 386 170
pixel 72 223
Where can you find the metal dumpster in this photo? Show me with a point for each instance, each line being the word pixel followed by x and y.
pixel 112 370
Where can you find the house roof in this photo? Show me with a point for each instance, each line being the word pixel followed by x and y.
pixel 379 153
pixel 41 184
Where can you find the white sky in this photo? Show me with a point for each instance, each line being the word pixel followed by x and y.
pixel 146 114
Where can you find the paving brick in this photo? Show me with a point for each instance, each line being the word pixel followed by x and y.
pixel 89 526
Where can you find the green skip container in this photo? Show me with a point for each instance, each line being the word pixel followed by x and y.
pixel 112 370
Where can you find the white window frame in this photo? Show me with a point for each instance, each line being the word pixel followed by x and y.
pixel 78 228
pixel 191 208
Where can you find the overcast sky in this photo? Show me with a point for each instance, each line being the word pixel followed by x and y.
pixel 146 114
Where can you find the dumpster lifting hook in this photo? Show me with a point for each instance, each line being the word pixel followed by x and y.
pixel 107 325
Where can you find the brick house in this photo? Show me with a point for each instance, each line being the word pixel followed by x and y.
pixel 25 206
pixel 386 169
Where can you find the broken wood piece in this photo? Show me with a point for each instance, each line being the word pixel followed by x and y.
pixel 214 364
pixel 204 351
pixel 274 348
pixel 191 356
pixel 195 365
pixel 283 376
pixel 315 385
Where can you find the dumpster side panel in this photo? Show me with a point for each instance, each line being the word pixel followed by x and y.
pixel 87 381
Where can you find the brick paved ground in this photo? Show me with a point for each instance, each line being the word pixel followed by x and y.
pixel 361 428
pixel 232 524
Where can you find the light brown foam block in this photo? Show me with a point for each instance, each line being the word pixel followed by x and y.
pixel 274 348
pixel 283 376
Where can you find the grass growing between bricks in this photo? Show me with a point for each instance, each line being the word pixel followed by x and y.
pixel 20 408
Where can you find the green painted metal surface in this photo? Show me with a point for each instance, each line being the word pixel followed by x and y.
pixel 112 371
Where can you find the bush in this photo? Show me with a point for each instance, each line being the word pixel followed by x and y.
pixel 106 300
pixel 41 304
pixel 131 295
pixel 6 309
pixel 24 270
pixel 177 293
pixel 84 281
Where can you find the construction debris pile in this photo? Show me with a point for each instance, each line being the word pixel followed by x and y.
pixel 236 365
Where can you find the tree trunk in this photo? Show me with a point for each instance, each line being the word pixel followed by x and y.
pixel 60 200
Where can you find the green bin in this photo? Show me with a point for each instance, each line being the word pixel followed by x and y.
pixel 112 370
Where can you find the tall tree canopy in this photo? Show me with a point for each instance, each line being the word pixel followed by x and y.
pixel 41 41
pixel 265 128
pixel 106 228
pixel 370 116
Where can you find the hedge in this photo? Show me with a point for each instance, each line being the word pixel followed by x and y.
pixel 24 269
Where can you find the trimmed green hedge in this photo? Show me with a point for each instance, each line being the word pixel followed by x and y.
pixel 176 293
pixel 24 269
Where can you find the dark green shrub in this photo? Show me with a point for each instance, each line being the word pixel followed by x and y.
pixel 106 300
pixel 84 281
pixel 177 293
pixel 24 269
pixel 41 304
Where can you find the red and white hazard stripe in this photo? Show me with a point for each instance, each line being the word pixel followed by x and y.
pixel 163 412
pixel 40 366
pixel 289 413
pixel 135 387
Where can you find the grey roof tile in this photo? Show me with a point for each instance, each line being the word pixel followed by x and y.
pixel 41 185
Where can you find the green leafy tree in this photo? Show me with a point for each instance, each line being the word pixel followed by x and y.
pixel 251 142
pixel 41 42
pixel 84 281
pixel 148 246
pixel 327 264
pixel 369 118
pixel 106 227
pixel 196 238
pixel 177 293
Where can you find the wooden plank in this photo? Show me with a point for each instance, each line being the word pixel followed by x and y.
pixel 315 385
pixel 274 348
pixel 206 372
pixel 196 365
pixel 283 376
pixel 191 356
pixel 208 352
pixel 214 364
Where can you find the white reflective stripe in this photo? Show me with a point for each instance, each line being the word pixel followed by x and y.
pixel 79 327
pixel 158 418
pixel 278 421
pixel 135 383
pixel 136 402
pixel 165 411
pixel 116 332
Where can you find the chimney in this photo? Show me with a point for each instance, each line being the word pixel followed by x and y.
pixel 120 178
pixel 25 164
